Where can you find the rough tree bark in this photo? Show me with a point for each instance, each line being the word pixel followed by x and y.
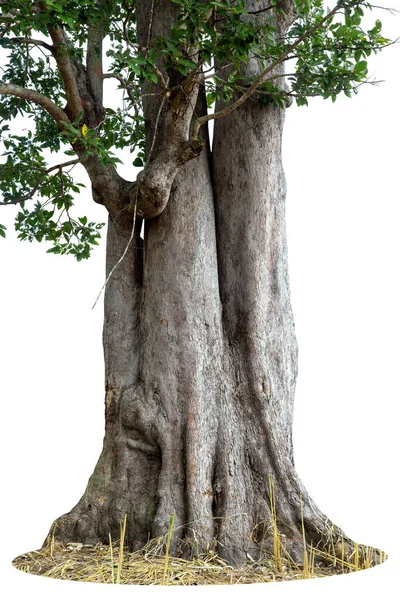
pixel 201 355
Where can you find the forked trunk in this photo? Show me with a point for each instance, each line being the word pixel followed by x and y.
pixel 201 361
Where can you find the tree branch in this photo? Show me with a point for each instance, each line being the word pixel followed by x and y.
pixel 128 88
pixel 33 191
pixel 392 11
pixel 67 71
pixel 29 41
pixel 94 58
pixel 65 66
pixel 32 96
pixel 263 76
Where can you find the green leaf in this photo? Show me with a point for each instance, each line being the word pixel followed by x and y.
pixel 67 227
pixel 152 76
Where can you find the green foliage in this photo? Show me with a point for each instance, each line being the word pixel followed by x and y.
pixel 325 57
pixel 329 60
pixel 218 29
pixel 25 171
pixel 122 130
pixel 35 72
pixel 68 237
pixel 89 141
pixel 333 59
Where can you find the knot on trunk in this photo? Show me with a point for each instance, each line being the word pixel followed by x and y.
pixel 153 185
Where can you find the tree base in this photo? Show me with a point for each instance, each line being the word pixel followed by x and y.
pixel 151 566
pixel 241 513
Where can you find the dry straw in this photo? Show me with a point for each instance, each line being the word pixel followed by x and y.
pixel 153 564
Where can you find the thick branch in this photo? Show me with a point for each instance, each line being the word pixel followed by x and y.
pixel 150 193
pixel 67 71
pixel 151 190
pixel 32 96
pixel 94 59
pixel 153 187
pixel 83 88
pixel 108 187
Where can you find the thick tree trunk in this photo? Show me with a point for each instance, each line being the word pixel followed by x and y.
pixel 201 359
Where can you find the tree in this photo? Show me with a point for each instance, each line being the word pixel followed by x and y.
pixel 199 341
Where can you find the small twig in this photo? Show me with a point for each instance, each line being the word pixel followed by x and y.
pixel 125 29
pixel 392 11
pixel 160 77
pixel 128 88
pixel 59 168
pixel 211 75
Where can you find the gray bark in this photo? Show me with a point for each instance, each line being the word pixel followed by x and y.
pixel 201 356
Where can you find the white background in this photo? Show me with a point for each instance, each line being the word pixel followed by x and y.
pixel 342 165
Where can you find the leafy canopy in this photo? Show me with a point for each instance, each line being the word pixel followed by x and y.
pixel 326 50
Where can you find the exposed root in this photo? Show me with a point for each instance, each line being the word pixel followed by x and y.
pixel 152 564
pixel 308 540
pixel 112 563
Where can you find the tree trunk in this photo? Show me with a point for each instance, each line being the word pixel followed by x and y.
pixel 201 360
